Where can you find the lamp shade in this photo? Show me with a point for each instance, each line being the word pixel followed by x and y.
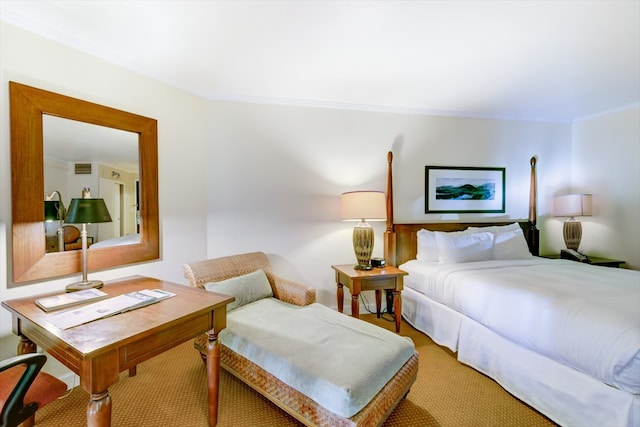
pixel 51 209
pixel 363 205
pixel 571 205
pixel 87 211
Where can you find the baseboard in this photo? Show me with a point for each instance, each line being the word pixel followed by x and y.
pixel 70 379
pixel 362 308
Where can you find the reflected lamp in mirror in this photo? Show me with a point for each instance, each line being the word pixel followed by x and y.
pixel 86 211
pixel 54 211
pixel 363 206
pixel 571 206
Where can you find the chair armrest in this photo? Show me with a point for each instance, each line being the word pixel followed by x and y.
pixel 292 292
pixel 14 408
pixel 37 360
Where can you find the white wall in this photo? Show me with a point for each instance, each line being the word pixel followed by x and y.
pixel 276 174
pixel 29 59
pixel 606 163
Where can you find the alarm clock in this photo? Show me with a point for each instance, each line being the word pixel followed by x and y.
pixel 378 262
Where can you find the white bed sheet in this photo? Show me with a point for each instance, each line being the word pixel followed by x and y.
pixel 129 239
pixel 582 316
pixel 568 397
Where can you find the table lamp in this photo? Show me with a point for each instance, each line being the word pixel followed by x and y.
pixel 362 206
pixel 55 211
pixel 570 206
pixel 86 211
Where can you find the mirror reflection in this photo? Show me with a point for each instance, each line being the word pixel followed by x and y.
pixel 77 156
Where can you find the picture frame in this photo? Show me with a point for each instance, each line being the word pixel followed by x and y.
pixel 460 189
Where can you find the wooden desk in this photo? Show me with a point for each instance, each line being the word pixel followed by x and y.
pixel 389 278
pixel 98 351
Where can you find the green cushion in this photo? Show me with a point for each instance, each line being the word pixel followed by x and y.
pixel 338 361
pixel 246 289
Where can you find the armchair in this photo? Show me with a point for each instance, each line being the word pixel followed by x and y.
pixel 202 272
pixel 71 238
pixel 284 347
pixel 24 389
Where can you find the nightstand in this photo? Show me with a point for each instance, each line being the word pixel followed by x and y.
pixel 593 260
pixel 387 278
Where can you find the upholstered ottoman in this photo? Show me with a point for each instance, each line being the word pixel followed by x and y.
pixel 322 367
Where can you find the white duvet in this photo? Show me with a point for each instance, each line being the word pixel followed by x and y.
pixel 582 316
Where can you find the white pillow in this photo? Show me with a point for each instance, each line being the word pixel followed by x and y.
pixel 497 228
pixel 247 288
pixel 463 246
pixel 510 245
pixel 427 246
pixel 509 241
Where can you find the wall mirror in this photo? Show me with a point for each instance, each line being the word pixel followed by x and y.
pixel 81 155
pixel 31 109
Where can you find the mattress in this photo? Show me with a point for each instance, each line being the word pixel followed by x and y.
pixel 584 317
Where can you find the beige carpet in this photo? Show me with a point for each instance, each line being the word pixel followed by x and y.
pixel 170 390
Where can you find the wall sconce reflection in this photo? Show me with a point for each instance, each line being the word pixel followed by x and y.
pixel 54 210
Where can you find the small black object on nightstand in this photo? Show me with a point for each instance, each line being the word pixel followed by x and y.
pixel 378 262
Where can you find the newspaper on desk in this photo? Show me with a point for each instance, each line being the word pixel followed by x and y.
pixel 108 307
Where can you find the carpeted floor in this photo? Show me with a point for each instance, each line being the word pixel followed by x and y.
pixel 170 390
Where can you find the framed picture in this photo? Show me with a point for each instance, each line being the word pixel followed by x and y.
pixel 464 190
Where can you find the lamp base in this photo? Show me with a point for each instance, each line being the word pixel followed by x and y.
pixel 81 286
pixel 572 233
pixel 363 245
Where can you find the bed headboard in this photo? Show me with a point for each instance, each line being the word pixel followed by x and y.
pixel 400 240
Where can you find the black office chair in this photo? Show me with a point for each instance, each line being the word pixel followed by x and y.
pixel 24 389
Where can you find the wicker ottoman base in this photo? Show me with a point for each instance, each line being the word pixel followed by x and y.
pixel 302 407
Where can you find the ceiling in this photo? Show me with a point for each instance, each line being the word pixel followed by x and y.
pixel 554 61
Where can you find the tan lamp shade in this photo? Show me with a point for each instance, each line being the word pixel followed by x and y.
pixel 363 206
pixel 571 205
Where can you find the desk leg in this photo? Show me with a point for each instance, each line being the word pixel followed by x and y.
pixel 378 302
pixel 99 410
pixel 397 299
pixel 213 376
pixel 356 287
pixel 389 293
pixel 26 346
pixel 340 297
pixel 355 307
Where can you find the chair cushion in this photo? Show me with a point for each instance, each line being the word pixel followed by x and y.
pixel 45 389
pixel 246 288
pixel 338 361
pixel 71 234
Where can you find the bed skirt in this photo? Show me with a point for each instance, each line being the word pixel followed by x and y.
pixel 563 394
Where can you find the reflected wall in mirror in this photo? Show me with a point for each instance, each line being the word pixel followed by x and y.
pixel 30 108
pixel 80 155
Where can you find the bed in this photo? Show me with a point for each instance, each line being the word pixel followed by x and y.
pixel 129 239
pixel 562 336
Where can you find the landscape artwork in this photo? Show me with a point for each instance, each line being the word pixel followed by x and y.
pixel 450 189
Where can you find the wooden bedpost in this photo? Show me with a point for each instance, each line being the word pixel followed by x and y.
pixel 389 234
pixel 533 237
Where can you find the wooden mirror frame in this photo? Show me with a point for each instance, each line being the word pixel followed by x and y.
pixel 31 262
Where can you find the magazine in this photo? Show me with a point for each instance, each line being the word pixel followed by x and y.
pixel 108 307
pixel 58 302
